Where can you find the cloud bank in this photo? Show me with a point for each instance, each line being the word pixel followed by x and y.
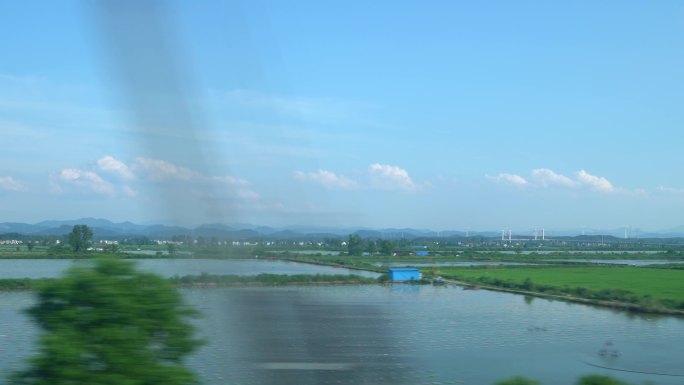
pixel 112 165
pixel 327 179
pixel 83 181
pixel 9 183
pixel 377 176
pixel 387 177
pixel 509 178
pixel 113 177
pixel 595 182
pixel 545 177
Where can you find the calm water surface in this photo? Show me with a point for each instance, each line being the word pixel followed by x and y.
pixel 50 268
pixel 401 335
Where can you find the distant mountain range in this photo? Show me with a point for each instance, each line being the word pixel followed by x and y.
pixel 105 229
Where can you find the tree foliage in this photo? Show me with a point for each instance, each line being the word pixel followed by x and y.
pixel 112 248
pixel 80 238
pixel 518 380
pixel 109 324
pixel 354 245
pixel 386 247
pixel 596 379
pixel 371 247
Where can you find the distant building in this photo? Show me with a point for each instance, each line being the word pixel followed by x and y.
pixel 404 274
pixel 423 253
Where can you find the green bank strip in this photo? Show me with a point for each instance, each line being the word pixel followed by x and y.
pixel 203 280
pixel 270 280
pixel 646 289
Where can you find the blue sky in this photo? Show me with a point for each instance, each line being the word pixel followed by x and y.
pixel 441 115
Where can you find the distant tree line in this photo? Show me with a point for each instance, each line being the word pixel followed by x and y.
pixel 357 245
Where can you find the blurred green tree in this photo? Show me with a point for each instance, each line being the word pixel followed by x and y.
pixel 518 381
pixel 107 323
pixel 597 379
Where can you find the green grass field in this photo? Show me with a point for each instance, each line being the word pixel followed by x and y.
pixel 658 284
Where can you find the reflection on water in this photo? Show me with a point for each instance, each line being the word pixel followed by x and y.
pixel 401 334
pixel 299 337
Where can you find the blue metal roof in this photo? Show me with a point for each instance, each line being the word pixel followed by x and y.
pixel 405 274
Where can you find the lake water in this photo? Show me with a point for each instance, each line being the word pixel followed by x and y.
pixel 50 268
pixel 401 334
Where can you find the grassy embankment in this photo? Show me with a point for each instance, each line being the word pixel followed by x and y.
pixel 210 280
pixel 270 280
pixel 647 289
pixel 337 261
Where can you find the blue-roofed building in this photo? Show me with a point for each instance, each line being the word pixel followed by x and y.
pixel 423 253
pixel 404 274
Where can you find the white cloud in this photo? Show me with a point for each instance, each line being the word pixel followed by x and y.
pixel 510 178
pixel 128 191
pixel 670 190
pixel 145 170
pixel 327 179
pixel 158 169
pixel 247 194
pixel 229 180
pixel 595 182
pixel 87 180
pixel 9 183
pixel 385 176
pixel 214 189
pixel 115 166
pixel 545 177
